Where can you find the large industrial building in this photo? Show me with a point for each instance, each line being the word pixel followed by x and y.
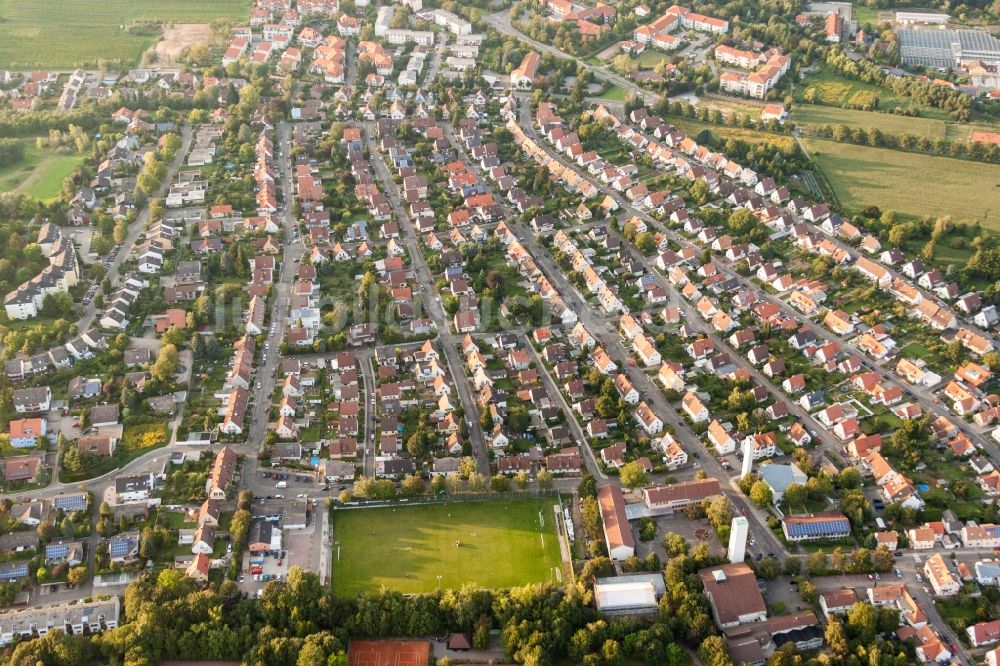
pixel 944 49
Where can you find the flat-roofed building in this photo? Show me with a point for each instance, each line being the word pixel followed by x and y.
pixel 626 595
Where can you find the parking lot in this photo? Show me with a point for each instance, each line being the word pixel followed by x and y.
pixel 289 481
pixel 271 570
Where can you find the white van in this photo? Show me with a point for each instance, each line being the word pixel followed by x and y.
pixel 281 484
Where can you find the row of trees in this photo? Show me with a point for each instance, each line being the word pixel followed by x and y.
pixel 974 150
pixel 466 481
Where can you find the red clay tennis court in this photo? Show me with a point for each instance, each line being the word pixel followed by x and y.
pixel 388 653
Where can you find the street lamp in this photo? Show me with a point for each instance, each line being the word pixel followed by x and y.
pixel 439 582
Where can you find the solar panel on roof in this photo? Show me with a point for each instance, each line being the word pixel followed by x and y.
pixel 71 503
pixel 121 547
pixel 54 550
pixel 818 528
pixel 12 571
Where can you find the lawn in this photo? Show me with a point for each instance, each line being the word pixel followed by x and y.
pixel 951 610
pixel 863 14
pixel 41 173
pixel 140 438
pixel 693 127
pixel 813 114
pixel 910 183
pixel 613 94
pixel 68 33
pixel 650 58
pixel 407 548
pixel 833 90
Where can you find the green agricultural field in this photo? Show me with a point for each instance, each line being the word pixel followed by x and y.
pixel 910 183
pixel 813 114
pixel 406 548
pixel 40 174
pixel 62 34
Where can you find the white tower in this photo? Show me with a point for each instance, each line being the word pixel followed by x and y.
pixel 748 444
pixel 738 539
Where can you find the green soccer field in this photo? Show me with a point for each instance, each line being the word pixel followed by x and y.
pixel 408 548
pixel 62 34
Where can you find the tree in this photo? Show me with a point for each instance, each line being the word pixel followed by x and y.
pixel 544 478
pixel 675 544
pixel 622 64
pixel 244 499
pixel 849 477
pixel 78 575
pixel 500 483
pixel 712 652
pixel 768 568
pixel 861 622
pixel 645 243
pixel 57 304
pixel 611 652
pixel 412 486
pixel 467 467
pixel 741 221
pixel 597 567
pixel 165 366
pixel 882 559
pixel 718 511
pixel 453 484
pixel 761 495
pixel 835 637
pixel 384 489
pixel 591 517
pixel 477 483
pixel 120 231
pixel 47 529
pixel 518 419
pixel 816 563
pixel 808 592
pixel 795 495
pixel 633 475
